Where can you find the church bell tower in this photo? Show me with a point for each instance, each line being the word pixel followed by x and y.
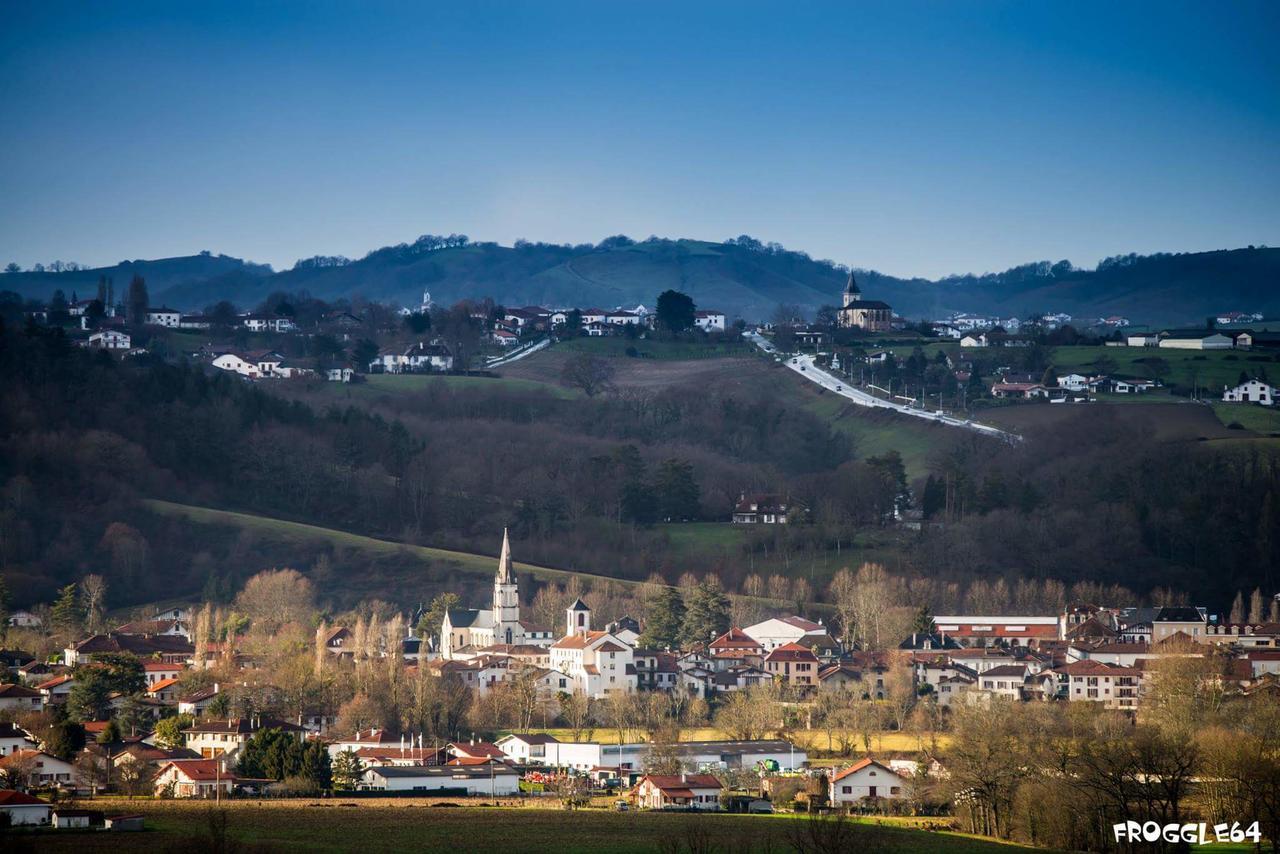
pixel 506 599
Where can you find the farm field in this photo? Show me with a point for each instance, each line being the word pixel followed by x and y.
pixel 1169 422
pixel 1205 369
pixel 881 742
pixel 652 374
pixel 415 825
pixel 377 386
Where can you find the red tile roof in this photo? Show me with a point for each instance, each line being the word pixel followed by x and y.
pixel 673 784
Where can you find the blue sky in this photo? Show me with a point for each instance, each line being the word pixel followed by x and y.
pixel 913 138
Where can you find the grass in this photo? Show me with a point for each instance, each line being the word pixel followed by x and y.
pixel 1206 369
pixel 1250 416
pixel 437 560
pixel 651 348
pixel 383 384
pixel 412 825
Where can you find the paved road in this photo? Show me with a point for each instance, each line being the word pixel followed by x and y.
pixel 518 355
pixel 805 367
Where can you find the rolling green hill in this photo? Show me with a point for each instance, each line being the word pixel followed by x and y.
pixel 742 278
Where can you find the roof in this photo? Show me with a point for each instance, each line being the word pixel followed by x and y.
pixel 200 769
pixel 865 762
pixel 579 641
pixel 735 638
pixel 1019 670
pixel 791 652
pixel 802 623
pixel 1089 667
pixel 533 738
pixel 461 618
pixel 12 690
pixel 243 725
pixel 479 748
pixel 1179 614
pixel 579 605
pixel 868 303
pixel 164 666
pixel 10 798
pixel 451 771
pixel 162 684
pixel 851 286
pixel 680 784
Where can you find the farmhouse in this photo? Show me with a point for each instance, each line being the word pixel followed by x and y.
pixel 683 791
pixel 709 321
pixel 110 339
pixel 866 779
pixel 1253 391
pixel 764 508
pixel 167 317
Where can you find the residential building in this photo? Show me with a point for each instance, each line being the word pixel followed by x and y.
pixel 709 321
pixel 677 791
pixel 21 698
pixel 24 809
pixel 793 664
pixel 1253 391
pixel 167 317
pixel 866 779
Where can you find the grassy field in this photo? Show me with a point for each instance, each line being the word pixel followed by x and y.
pixel 381 385
pixel 1259 419
pixel 1211 369
pixel 413 825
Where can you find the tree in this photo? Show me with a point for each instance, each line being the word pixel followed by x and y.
pixel 923 623
pixel 93 595
pixel 4 609
pixel 664 619
pixel 590 374
pixel 168 731
pixel 675 311
pixel 348 771
pixel 432 621
pixel 364 352
pixel 66 614
pixel 12 267
pixel 90 695
pixel 275 597
pixel 110 733
pixel 577 711
pixel 677 491
pixel 706 613
pixel 135 776
pixel 138 300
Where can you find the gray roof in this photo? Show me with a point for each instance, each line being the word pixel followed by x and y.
pixel 449 771
pixel 462 618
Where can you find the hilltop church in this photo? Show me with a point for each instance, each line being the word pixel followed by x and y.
pixel 867 314
pixel 500 624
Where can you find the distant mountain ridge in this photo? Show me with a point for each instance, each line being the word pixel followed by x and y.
pixel 743 277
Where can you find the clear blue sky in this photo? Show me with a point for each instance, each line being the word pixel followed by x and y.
pixel 911 138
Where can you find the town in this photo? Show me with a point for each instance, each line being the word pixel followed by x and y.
pixel 273 699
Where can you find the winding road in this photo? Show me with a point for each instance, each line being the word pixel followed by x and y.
pixel 805 367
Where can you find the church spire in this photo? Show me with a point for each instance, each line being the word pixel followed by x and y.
pixel 504 561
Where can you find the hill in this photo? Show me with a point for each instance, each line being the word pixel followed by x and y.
pixel 184 281
pixel 743 277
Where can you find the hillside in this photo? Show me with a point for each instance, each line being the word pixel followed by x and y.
pixel 743 278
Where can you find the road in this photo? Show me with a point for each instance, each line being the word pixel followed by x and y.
pixel 526 350
pixel 805 367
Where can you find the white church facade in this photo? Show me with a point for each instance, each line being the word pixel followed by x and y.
pixel 498 624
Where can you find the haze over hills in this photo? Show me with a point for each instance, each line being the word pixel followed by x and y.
pixel 744 278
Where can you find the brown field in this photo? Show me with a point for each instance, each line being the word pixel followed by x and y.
pixel 420 824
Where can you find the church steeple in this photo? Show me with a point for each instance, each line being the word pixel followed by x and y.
pixel 506 598
pixel 504 561
pixel 852 293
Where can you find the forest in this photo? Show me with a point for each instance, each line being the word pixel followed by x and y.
pixel 599 484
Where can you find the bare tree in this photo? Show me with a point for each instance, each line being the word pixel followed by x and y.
pixel 93 596
pixel 590 374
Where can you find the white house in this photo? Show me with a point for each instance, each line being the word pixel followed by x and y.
pixel 778 631
pixel 597 662
pixel 21 698
pixel 866 779
pixel 1074 382
pixel 196 778
pixel 168 317
pixel 678 791
pixel 14 737
pixel 1143 339
pixel 527 748
pixel 709 321
pixel 1112 685
pixel 237 364
pixel 42 769
pixel 1253 391
pixel 974 340
pixel 23 808
pixel 110 339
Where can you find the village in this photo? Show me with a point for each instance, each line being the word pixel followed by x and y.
pixel 190 703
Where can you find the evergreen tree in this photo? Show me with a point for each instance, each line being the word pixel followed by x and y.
pixel 677 491
pixel 934 499
pixel 4 609
pixel 136 308
pixel 431 622
pixel 347 771
pixel 90 696
pixel 923 623
pixel 66 614
pixel 706 613
pixel 110 733
pixel 676 311
pixel 663 620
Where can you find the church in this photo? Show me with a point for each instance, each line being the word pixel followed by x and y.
pixel 499 624
pixel 867 314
